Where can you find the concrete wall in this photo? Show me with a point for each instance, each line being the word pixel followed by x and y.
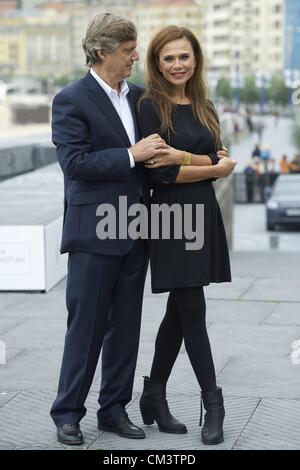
pixel 21 159
pixel 224 193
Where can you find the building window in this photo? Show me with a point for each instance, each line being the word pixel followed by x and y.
pixel 277 8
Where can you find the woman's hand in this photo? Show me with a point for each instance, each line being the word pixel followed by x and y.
pixel 172 157
pixel 223 153
pixel 225 167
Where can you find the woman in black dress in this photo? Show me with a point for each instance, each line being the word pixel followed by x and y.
pixel 175 106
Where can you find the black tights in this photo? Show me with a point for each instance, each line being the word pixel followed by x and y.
pixel 184 319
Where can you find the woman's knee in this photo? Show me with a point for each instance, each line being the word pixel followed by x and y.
pixel 191 303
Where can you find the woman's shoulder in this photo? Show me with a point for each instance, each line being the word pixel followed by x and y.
pixel 146 101
pixel 147 105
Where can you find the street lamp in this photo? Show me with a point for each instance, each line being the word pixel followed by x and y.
pixel 237 81
pixel 262 81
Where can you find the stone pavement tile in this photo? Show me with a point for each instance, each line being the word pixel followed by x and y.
pixel 25 421
pixel 267 264
pixel 252 340
pixel 5 397
pixel 229 290
pixel 284 314
pixel 271 377
pixel 238 312
pixel 7 299
pixel 187 410
pixel 11 355
pixel 7 324
pixel 274 290
pixel 59 288
pixel 6 446
pixel 35 334
pixel 275 425
pixel 32 369
pixel 37 306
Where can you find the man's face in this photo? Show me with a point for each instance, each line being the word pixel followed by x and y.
pixel 119 63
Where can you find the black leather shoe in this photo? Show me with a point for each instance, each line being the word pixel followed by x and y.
pixel 124 428
pixel 70 434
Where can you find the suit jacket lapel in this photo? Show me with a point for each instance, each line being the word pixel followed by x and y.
pixel 100 98
pixel 133 103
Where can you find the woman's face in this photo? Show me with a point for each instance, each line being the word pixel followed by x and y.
pixel 177 62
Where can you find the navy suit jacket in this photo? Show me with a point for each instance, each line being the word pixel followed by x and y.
pixel 91 144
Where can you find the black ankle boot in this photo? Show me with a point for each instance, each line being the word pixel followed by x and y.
pixel 212 431
pixel 154 407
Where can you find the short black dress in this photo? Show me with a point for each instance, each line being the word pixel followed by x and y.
pixel 172 265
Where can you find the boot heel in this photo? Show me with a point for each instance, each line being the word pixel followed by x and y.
pixel 147 417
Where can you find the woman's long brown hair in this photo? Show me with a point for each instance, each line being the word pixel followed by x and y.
pixel 160 90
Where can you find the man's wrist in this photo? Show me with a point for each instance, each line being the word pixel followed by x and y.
pixel 180 157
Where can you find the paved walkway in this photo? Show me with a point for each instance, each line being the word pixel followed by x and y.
pixel 277 137
pixel 252 324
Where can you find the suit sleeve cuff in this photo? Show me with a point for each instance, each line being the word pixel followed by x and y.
pixel 131 159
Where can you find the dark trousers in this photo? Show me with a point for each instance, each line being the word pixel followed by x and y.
pixel 184 320
pixel 104 301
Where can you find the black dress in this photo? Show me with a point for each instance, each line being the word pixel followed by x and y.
pixel 172 265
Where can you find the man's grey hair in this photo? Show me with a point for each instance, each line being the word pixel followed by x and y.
pixel 106 32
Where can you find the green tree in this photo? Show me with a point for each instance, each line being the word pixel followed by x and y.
pixel 296 132
pixel 224 89
pixel 137 76
pixel 250 92
pixel 278 91
pixel 64 80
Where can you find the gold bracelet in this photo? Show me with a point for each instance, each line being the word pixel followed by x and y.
pixel 187 158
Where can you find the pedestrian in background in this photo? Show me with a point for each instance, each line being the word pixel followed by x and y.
pixel 284 165
pixel 250 172
pixel 256 151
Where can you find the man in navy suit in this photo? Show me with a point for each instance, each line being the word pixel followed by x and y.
pixel 99 151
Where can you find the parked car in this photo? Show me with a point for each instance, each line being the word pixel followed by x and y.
pixel 283 206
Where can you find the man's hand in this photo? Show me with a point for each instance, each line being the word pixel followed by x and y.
pixel 225 167
pixel 171 157
pixel 149 147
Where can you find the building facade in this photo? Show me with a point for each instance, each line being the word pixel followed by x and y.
pixel 153 16
pixel 244 37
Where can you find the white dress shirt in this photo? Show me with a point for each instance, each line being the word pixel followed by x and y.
pixel 121 105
